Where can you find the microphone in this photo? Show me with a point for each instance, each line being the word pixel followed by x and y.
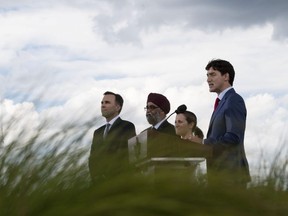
pixel 182 108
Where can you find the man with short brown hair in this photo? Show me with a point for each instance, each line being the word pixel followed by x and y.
pixel 109 149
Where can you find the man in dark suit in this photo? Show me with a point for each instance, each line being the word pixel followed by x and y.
pixel 157 107
pixel 227 127
pixel 109 150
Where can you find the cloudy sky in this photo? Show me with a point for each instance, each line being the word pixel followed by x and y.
pixel 57 57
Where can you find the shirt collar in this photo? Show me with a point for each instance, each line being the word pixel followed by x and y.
pixel 221 95
pixel 111 122
pixel 159 123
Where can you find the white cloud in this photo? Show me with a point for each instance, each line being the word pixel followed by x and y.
pixel 57 61
pixel 267 126
pixel 18 121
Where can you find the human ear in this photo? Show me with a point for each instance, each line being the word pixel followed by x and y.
pixel 118 107
pixel 226 76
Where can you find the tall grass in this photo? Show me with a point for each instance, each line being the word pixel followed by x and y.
pixel 47 174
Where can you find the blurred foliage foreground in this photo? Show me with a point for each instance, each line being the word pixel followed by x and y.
pixel 48 175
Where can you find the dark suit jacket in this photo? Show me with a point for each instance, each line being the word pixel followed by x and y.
pixel 109 155
pixel 226 136
pixel 166 128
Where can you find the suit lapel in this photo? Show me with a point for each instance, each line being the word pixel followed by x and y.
pixel 114 126
pixel 221 104
pixel 163 125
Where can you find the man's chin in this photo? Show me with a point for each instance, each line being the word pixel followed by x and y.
pixel 211 90
pixel 151 122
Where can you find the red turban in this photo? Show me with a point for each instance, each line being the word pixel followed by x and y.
pixel 160 100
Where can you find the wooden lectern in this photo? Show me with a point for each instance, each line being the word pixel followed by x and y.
pixel 153 152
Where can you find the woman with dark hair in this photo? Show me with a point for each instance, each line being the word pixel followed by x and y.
pixel 186 125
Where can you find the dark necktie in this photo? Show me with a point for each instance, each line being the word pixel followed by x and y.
pixel 106 130
pixel 216 103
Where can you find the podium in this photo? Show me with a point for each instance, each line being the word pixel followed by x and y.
pixel 157 153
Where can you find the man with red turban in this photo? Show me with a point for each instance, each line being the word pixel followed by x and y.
pixel 157 107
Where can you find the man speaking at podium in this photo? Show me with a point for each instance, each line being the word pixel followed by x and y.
pixel 157 107
pixel 227 125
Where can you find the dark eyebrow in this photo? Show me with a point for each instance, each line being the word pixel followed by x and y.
pixel 210 73
pixel 105 101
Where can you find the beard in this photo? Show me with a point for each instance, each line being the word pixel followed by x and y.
pixel 153 119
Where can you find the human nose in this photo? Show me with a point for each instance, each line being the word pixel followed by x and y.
pixel 208 79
